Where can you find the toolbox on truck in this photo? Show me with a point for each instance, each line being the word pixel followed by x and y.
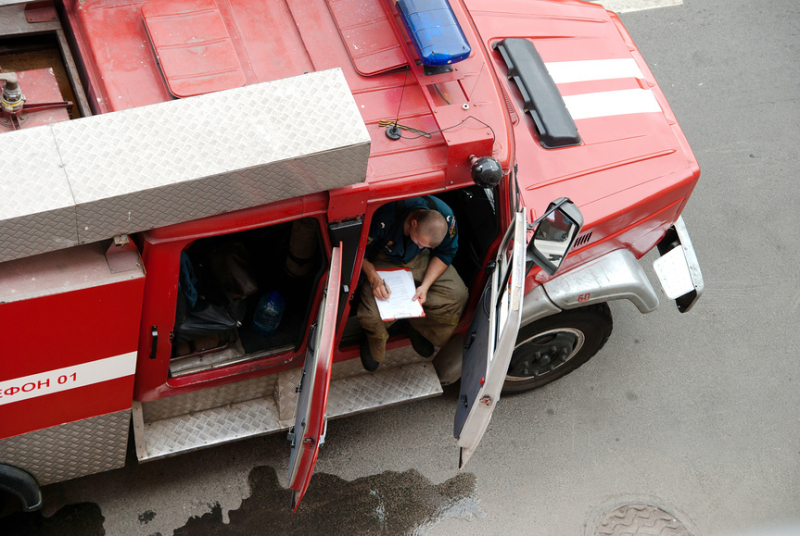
pixel 182 160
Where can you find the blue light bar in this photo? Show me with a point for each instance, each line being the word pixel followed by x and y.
pixel 434 30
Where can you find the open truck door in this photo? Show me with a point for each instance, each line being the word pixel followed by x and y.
pixel 311 420
pixel 490 341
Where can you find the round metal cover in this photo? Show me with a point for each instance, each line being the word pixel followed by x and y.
pixel 640 520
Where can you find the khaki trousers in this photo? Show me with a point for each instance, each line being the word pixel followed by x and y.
pixel 443 307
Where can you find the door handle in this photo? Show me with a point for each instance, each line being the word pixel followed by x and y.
pixel 154 347
pixel 469 340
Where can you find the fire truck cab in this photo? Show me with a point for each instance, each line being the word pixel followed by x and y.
pixel 168 163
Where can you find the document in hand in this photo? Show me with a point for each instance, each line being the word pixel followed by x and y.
pixel 400 303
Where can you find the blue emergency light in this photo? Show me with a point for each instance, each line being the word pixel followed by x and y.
pixel 434 30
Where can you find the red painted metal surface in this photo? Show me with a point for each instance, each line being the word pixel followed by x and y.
pixel 161 256
pixel 630 177
pixel 193 47
pixel 286 38
pixel 61 331
pixel 70 328
pixel 64 407
pixel 366 30
pixel 614 158
pixel 629 168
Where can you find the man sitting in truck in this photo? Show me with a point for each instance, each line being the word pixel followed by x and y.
pixel 419 234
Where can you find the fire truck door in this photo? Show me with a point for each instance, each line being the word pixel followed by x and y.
pixel 490 341
pixel 311 420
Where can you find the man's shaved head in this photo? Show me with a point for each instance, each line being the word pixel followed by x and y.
pixel 431 224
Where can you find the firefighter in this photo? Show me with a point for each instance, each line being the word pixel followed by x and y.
pixel 419 234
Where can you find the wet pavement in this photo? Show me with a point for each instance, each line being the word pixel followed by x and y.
pixel 387 503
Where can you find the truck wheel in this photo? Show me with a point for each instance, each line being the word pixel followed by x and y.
pixel 556 345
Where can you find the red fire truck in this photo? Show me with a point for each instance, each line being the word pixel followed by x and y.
pixel 167 163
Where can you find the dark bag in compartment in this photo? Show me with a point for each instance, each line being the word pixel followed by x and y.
pixel 205 319
pixel 212 301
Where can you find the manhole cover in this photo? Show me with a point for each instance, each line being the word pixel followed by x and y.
pixel 641 520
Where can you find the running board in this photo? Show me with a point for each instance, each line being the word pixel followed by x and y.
pixel 158 433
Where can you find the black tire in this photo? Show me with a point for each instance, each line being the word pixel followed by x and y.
pixel 556 345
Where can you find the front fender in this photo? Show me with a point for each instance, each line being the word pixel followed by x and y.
pixel 614 276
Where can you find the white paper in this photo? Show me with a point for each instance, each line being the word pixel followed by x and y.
pixel 400 303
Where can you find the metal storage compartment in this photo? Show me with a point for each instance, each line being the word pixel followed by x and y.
pixel 70 323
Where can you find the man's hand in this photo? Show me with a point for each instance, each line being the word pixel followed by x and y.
pixel 380 289
pixel 421 294
pixel 435 268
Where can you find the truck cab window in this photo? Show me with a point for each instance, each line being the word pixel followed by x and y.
pixel 235 290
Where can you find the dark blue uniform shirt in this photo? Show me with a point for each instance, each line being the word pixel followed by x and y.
pixel 401 248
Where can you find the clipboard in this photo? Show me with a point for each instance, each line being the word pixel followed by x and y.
pixel 400 304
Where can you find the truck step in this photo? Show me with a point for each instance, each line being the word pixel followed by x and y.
pixel 358 394
pixel 351 392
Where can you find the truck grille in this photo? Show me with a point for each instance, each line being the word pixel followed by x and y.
pixel 582 240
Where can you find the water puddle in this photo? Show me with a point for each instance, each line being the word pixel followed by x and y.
pixel 387 503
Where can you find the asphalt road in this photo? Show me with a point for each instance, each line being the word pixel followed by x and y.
pixel 697 414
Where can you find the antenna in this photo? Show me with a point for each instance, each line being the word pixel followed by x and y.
pixel 393 131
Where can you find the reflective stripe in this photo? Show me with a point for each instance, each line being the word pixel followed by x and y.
pixel 628 101
pixel 564 72
pixel 63 379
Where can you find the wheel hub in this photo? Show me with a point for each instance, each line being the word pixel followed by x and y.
pixel 545 352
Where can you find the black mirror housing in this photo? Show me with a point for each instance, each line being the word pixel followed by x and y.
pixel 553 235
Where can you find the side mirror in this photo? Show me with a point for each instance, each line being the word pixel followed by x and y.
pixel 554 234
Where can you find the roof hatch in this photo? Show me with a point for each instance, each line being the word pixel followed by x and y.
pixel 368 35
pixel 192 46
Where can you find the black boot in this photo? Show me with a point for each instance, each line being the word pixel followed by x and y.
pixel 369 364
pixel 421 345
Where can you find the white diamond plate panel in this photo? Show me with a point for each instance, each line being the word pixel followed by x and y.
pixel 383 388
pixel 289 381
pixel 363 391
pixel 394 358
pixel 152 166
pixel 226 192
pixel 208 428
pixel 213 397
pixel 37 211
pixel 199 429
pixel 288 394
pixel 70 450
